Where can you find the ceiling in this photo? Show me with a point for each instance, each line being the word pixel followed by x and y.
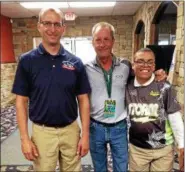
pixel 15 10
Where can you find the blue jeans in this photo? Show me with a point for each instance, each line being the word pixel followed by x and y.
pixel 116 136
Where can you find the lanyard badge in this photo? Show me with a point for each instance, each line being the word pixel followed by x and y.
pixel 109 104
pixel 109 108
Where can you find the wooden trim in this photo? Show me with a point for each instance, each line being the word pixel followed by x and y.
pixel 152 34
pixel 136 42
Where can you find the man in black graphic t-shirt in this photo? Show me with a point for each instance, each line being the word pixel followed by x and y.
pixel 155 118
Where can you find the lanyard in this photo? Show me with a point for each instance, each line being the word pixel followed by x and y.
pixel 108 81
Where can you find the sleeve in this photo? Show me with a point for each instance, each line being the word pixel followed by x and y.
pixel 171 104
pixel 82 85
pixel 21 82
pixel 131 72
pixel 177 126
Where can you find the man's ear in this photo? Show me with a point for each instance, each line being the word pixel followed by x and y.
pixel 63 29
pixel 133 66
pixel 154 68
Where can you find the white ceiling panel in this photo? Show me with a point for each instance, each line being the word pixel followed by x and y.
pixel 15 10
pixel 126 8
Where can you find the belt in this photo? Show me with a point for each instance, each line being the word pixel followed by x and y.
pixel 108 124
pixel 49 125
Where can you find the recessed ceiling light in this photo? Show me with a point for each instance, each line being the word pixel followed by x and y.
pixel 91 4
pixel 44 4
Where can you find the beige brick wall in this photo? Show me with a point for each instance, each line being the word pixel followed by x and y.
pixel 25 30
pixel 146 14
pixel 179 65
pixel 7 78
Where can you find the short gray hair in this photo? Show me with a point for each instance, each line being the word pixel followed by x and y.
pixel 55 10
pixel 104 25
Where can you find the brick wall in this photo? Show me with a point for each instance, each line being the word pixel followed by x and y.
pixel 146 14
pixel 7 78
pixel 25 30
pixel 178 81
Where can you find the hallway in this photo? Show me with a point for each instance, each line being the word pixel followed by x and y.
pixel 137 25
pixel 12 159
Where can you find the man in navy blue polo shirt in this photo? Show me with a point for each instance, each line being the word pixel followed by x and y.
pixel 51 79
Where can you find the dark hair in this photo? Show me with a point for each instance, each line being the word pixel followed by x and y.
pixel 144 50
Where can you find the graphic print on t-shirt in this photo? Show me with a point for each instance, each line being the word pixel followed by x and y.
pixel 148 108
pixel 142 112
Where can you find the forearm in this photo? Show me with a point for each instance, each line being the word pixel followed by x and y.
pixel 84 108
pixel 22 116
pixel 177 126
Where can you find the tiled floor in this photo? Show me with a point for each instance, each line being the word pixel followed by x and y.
pixel 9 125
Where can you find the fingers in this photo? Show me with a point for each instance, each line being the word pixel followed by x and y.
pixel 84 152
pixel 181 159
pixel 30 156
pixel 35 152
pixel 79 150
pixel 29 150
pixel 160 75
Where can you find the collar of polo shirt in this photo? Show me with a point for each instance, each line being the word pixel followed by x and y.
pixel 43 51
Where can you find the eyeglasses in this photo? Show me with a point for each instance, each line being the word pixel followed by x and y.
pixel 142 63
pixel 49 24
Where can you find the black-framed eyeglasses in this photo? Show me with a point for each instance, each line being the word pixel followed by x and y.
pixel 49 24
pixel 142 62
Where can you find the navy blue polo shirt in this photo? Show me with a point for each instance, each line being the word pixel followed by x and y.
pixel 52 84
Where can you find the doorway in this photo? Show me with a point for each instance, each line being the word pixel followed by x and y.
pixel 79 46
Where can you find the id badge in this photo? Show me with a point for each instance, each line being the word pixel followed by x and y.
pixel 109 108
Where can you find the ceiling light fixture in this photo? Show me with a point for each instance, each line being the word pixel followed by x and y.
pixel 32 5
pixel 91 4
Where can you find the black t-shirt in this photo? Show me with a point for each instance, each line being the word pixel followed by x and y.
pixel 148 108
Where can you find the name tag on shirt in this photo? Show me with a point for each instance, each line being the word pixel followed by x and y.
pixel 109 108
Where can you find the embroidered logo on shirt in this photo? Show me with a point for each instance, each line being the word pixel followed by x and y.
pixel 119 76
pixel 68 65
pixel 154 93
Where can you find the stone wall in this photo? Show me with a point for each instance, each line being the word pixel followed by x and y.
pixel 146 14
pixel 7 78
pixel 178 80
pixel 24 30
